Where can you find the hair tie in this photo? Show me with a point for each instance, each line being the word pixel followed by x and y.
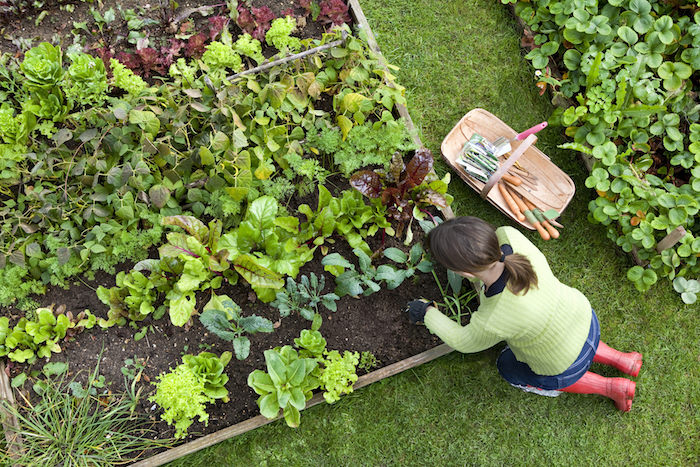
pixel 503 258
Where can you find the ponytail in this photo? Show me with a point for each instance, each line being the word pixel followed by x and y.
pixel 469 244
pixel 522 274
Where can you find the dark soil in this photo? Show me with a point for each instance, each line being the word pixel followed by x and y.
pixel 377 324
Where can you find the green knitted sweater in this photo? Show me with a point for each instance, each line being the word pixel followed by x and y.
pixel 545 328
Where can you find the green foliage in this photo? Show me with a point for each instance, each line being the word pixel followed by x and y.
pixel 86 80
pixel 183 392
pixel 368 361
pixel 629 71
pixel 404 188
pixel 180 393
pixel 365 145
pixel 43 67
pixel 350 281
pixel 304 297
pixel 279 35
pixel 219 55
pixel 47 438
pixel 125 79
pixel 95 183
pixel 210 369
pixel 413 261
pixel 688 288
pixel 338 374
pixel 246 45
pixel 39 333
pixel 287 384
pixel 222 316
pixel 312 343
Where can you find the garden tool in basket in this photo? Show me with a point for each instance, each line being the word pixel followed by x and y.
pixel 502 144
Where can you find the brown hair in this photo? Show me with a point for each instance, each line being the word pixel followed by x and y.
pixel 469 244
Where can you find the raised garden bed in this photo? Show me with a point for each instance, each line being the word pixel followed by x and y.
pixel 375 324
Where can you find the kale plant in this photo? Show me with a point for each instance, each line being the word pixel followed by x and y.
pixel 304 297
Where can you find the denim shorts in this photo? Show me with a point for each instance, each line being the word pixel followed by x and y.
pixel 519 373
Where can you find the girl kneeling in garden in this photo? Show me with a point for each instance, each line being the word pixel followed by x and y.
pixel 552 333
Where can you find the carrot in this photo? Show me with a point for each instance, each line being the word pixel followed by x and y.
pixel 511 202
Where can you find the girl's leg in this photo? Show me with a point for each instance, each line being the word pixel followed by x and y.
pixel 620 390
pixel 629 363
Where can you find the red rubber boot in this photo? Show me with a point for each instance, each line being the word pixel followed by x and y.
pixel 629 363
pixel 620 390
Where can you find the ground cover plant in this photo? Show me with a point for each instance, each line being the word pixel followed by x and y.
pixel 171 205
pixel 629 70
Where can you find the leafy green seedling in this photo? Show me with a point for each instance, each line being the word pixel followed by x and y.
pixel 304 297
pixel 349 281
pixel 414 261
pixel 222 316
pixel 286 385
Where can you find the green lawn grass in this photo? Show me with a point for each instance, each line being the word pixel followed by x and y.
pixel 456 55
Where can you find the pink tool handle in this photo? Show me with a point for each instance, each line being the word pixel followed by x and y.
pixel 531 131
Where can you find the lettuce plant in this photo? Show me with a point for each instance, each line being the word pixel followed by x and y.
pixel 338 374
pixel 42 67
pixel 246 45
pixel 183 392
pixel 279 35
pixel 125 79
pixel 210 369
pixel 311 342
pixel 86 80
pixel 37 335
pixel 180 393
pixel 404 187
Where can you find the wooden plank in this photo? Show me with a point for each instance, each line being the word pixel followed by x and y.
pixel 257 422
pixel 10 424
pixel 671 239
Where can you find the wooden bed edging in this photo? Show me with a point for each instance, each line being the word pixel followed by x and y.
pixel 10 424
pixel 256 422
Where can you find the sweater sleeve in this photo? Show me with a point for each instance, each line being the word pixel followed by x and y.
pixel 467 339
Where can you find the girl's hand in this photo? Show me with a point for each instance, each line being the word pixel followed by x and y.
pixel 417 309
